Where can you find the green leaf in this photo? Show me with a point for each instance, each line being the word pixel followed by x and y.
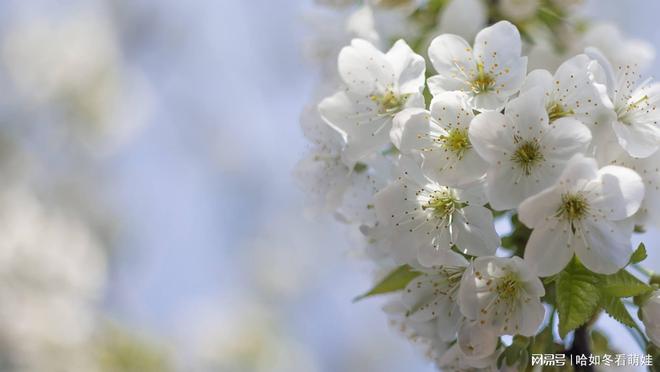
pixel 617 310
pixel 639 255
pixel 394 281
pixel 578 296
pixel 623 284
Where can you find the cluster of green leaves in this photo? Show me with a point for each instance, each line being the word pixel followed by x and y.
pixel 582 294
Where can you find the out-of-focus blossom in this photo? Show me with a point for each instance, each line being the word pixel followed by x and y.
pixel 71 67
pixel 519 10
pixel 464 18
pixel 242 337
pixel 618 49
pixel 651 317
pixel 52 270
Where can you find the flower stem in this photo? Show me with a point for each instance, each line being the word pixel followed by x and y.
pixel 643 270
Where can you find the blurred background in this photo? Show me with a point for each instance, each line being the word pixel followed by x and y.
pixel 149 219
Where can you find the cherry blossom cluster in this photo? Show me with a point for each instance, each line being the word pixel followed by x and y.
pixel 424 155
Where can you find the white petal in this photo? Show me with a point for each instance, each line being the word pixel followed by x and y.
pixel 508 186
pixel 396 209
pixel 639 139
pixel 364 68
pixel 409 68
pixel 549 248
pixel 603 246
pixel 566 137
pixel 451 57
pixel 476 233
pixel 499 47
pixel 576 91
pixel 434 252
pixel 467 294
pixel 422 299
pixel 356 119
pixel 448 169
pixel 502 38
pixel 394 200
pixel 488 101
pixel 451 110
pixel 579 169
pixel 538 79
pixel 533 211
pixel 410 130
pixel 528 114
pixel 448 322
pixel 464 18
pixel 621 194
pixel 409 167
pixel 530 317
pixel 491 136
pixel 476 341
pixel 603 72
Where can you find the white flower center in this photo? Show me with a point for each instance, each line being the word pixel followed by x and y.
pixel 557 111
pixel 389 103
pixel 527 155
pixel 456 141
pixel 625 112
pixel 508 287
pixel 483 81
pixel 443 204
pixel 574 207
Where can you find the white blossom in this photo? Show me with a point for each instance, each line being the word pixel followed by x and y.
pixel 441 136
pixel 52 272
pixel 610 153
pixel 585 212
pixel 502 293
pixel 424 220
pixel 572 92
pixel 650 314
pixel 425 334
pixel 464 18
pixel 378 86
pixel 331 185
pixel 616 47
pixel 525 151
pixel 489 73
pixel 454 360
pixel 332 30
pixel 433 296
pixel 518 10
pixel 636 124
pixel 71 68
